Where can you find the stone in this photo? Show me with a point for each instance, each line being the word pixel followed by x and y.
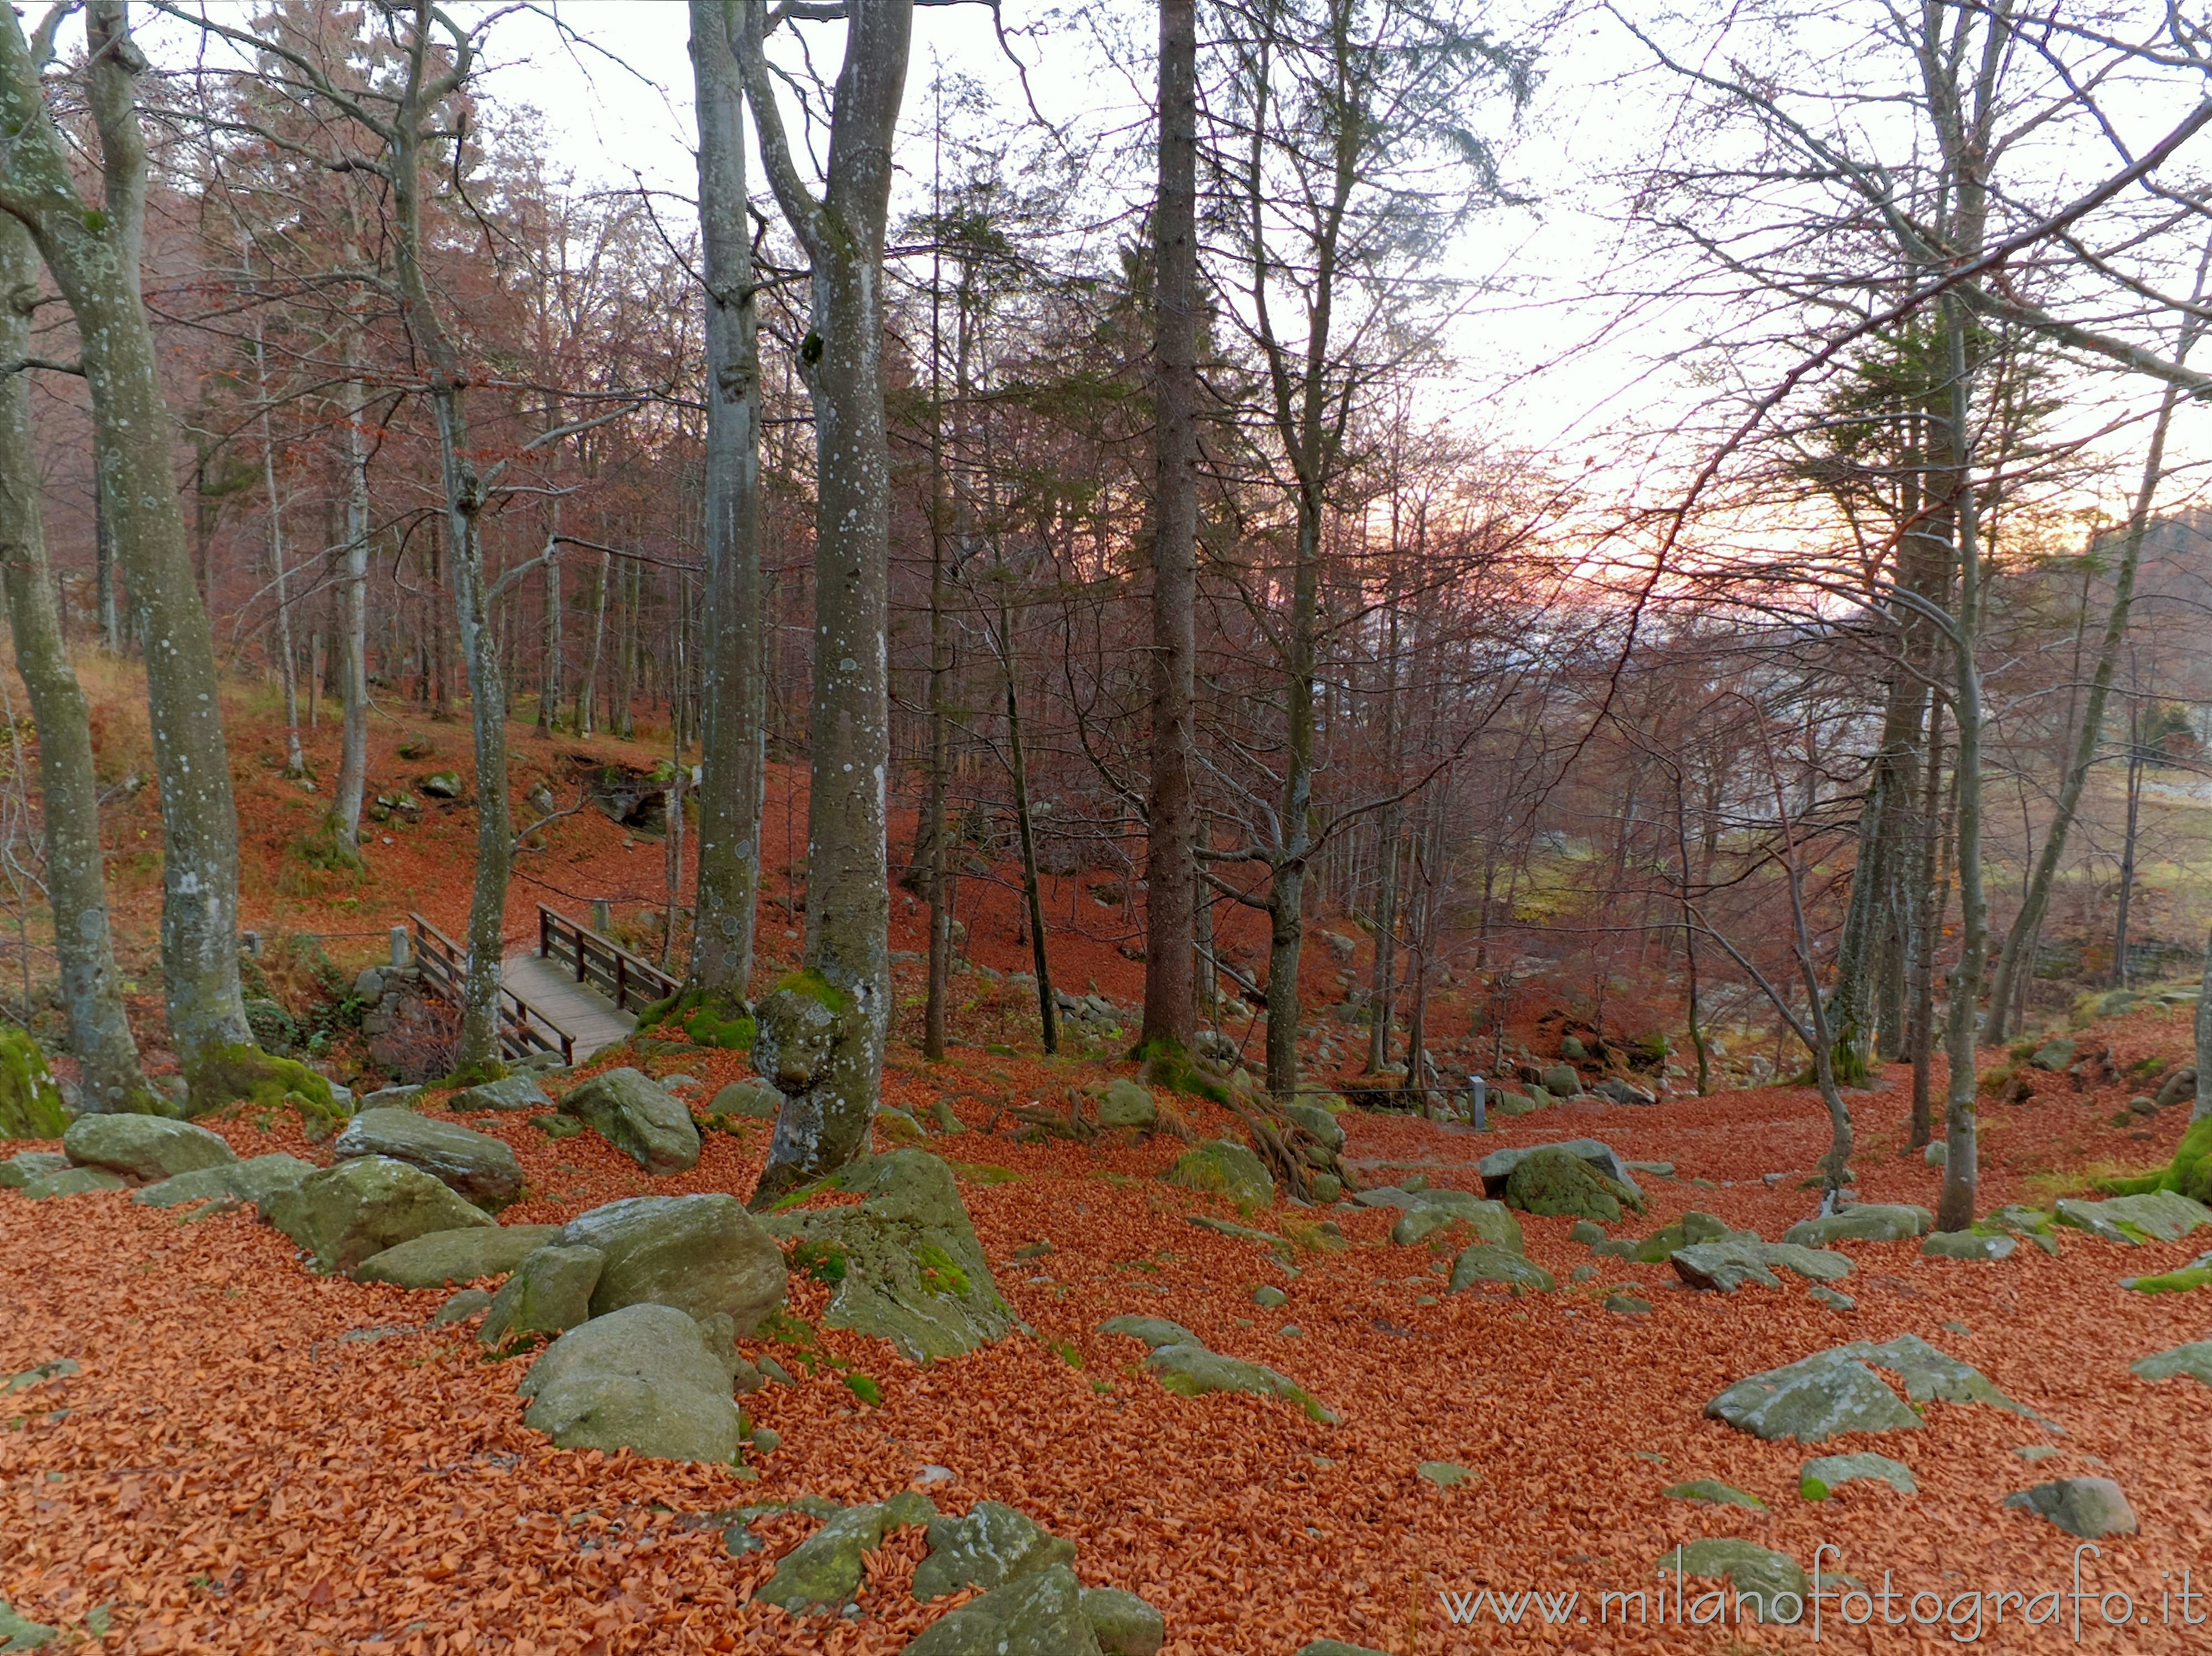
pixel 31 1105
pixel 1834 1299
pixel 24 1166
pixel 1560 1182
pixel 1812 1400
pixel 1937 1154
pixel 1561 1080
pixel 442 785
pixel 1758 1579
pixel 2029 1224
pixel 391 1098
pixel 475 1167
pixel 749 1101
pixel 992 1545
pixel 1152 1332
pixel 1337 1647
pixel 642 1378
pixel 1191 1371
pixel 369 984
pixel 461 1256
pixel 1484 1261
pixel 1318 1122
pixel 145 1148
pixel 1041 1614
pixel 1863 1221
pixel 1969 1245
pixel 2181 1084
pixel 1126 1102
pixel 2155 1215
pixel 508 1094
pixel 20 1633
pixel 2091 1508
pixel 1619 1089
pixel 638 1118
pixel 699 1254
pixel 896 1127
pixel 1627 1305
pixel 2193 1360
pixel 1497 1166
pixel 823 1574
pixel 1588 1231
pixel 1326 1188
pixel 72 1181
pixel 1820 1479
pixel 469 1302
pixel 549 1293
pixel 2053 1055
pixel 1122 1624
pixel 1726 1266
pixel 1444 1473
pixel 947 1119
pixel 1933 1376
pixel 1693 1227
pixel 1267 1297
pixel 914 1272
pixel 347 1213
pixel 1711 1492
pixel 1225 1168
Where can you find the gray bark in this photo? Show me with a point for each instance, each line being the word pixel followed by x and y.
pixel 848 879
pixel 734 724
pixel 76 893
pixel 352 782
pixel 92 255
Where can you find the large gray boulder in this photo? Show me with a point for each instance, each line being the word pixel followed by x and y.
pixel 1497 1166
pixel 747 1100
pixel 462 1255
pixel 480 1168
pixel 1226 1168
pixel 1485 1263
pixel 1036 1615
pixel 1727 1265
pixel 1430 1211
pixel 2193 1360
pixel 347 1213
pixel 639 1118
pixel 1555 1181
pixel 229 1186
pixel 72 1181
pixel 1318 1122
pixel 642 1378
pixel 1863 1221
pixel 1126 1102
pixel 701 1254
pixel 1933 1376
pixel 2091 1508
pixel 2157 1215
pixel 1123 1624
pixel 549 1293
pixel 144 1148
pixel 1812 1400
pixel 508 1094
pixel 912 1270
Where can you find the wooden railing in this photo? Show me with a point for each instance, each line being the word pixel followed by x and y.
pixel 523 1029
pixel 602 964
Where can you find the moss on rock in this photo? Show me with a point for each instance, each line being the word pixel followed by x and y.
pixel 30 1103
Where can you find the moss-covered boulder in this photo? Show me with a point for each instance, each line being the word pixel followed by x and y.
pixel 2053 1055
pixel 1484 1261
pixel 639 1118
pixel 2091 1508
pixel 145 1148
pixel 703 1254
pixel 1152 1332
pixel 20 1633
pixel 1727 1265
pixel 509 1094
pixel 25 1165
pixel 461 1256
pixel 1192 1371
pixel 1128 1104
pixel 2193 1361
pixel 1934 1376
pixel 1760 1585
pixel 1690 1229
pixel 1559 1182
pixel 993 1544
pixel 478 1167
pixel 1497 1166
pixel 2146 1216
pixel 644 1379
pixel 1812 1400
pixel 823 1574
pixel 347 1213
pixel 905 1264
pixel 1819 1479
pixel 1434 1210
pixel 1975 1247
pixel 1042 1612
pixel 1317 1121
pixel 228 1187
pixel 1863 1221
pixel 72 1181
pixel 1225 1168
pixel 746 1101
pixel 2190 1172
pixel 30 1103
pixel 549 1293
pixel 1123 1624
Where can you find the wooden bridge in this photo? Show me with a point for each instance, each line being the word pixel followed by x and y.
pixel 579 992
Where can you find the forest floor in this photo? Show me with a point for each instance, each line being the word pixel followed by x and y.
pixel 250 1458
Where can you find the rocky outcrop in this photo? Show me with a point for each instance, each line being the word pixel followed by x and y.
pixel 704 1255
pixel 639 1118
pixel 346 1215
pixel 461 1256
pixel 479 1168
pixel 145 1148
pixel 642 1378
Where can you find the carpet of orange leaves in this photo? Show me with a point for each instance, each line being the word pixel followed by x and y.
pixel 253 1459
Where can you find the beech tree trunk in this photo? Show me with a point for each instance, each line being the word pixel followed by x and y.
pixel 352 782
pixel 77 891
pixel 94 257
pixel 1171 828
pixel 734 723
pixel 825 1123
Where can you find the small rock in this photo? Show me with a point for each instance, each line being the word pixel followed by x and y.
pixel 1153 1331
pixel 1191 1371
pixel 1967 1245
pixel 1484 1261
pixel 1225 1168
pixel 1126 1102
pixel 1587 1232
pixel 1757 1576
pixel 1834 1299
pixel 1269 1297
pixel 1444 1473
pixel 751 1100
pixel 467 1303
pixel 766 1439
pixel 2091 1508
pixel 1864 1221
pixel 2035 1454
pixel 1937 1154
pixel 1713 1492
pixel 72 1181
pixel 1820 1479
pixel 1815 1398
pixel 1582 1273
pixel 680 1081
pixel 1627 1305
pixel 458 1256
pixel 992 1545
pixel 2193 1360
pixel 26 1165
pixel 508 1093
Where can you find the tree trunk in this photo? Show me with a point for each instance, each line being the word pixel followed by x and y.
pixel 1171 815
pixel 549 680
pixel 2135 775
pixel 735 748
pixel 587 692
pixel 94 257
pixel 296 762
pixel 76 893
pixel 1032 891
pixel 828 1104
pixel 352 782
